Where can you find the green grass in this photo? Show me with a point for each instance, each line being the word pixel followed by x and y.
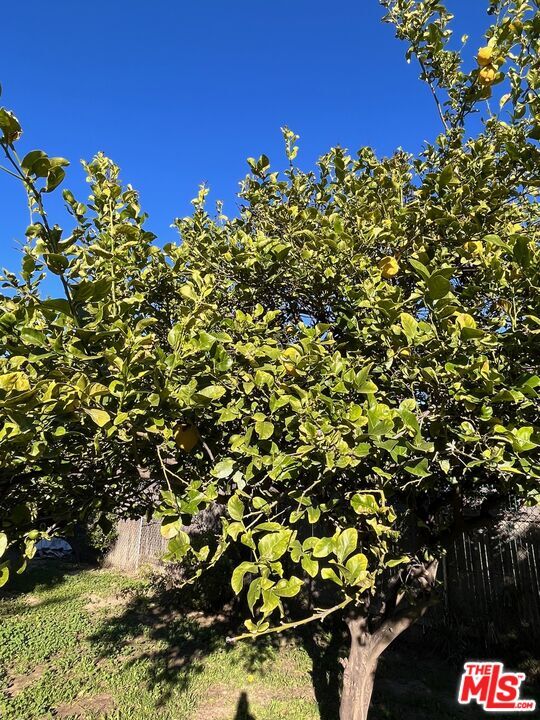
pixel 98 644
pixel 92 644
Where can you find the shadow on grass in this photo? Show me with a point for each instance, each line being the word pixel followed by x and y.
pixel 414 679
pixel 44 574
pixel 242 709
pixel 175 640
pixel 17 608
pixel 174 632
pixel 325 646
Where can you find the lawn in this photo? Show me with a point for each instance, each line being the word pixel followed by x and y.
pixel 93 643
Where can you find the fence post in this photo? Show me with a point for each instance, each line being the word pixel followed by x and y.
pixel 138 555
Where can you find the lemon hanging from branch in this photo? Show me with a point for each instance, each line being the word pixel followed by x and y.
pixel 487 75
pixel 186 437
pixel 485 56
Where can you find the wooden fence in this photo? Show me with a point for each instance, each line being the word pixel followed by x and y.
pixel 491 580
pixel 494 583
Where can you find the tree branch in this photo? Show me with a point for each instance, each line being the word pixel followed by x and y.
pixel 288 626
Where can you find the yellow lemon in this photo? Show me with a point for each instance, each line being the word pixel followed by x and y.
pixel 487 75
pixel 186 437
pixel 473 247
pixel 388 266
pixel 485 56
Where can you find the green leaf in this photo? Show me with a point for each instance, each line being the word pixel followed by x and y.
pixel 446 176
pixel 264 429
pixel 330 574
pixel 367 388
pixel 445 465
pixel 235 507
pixel 421 469
pixel 100 417
pixel 170 528
pixel 205 340
pixel 33 337
pixel 41 166
pixel 274 545
pixel 179 545
pixel 3 543
pixel 29 549
pixel 420 268
pixel 187 291
pixel 522 251
pixel 271 601
pixel 310 566
pixel 254 592
pixel 30 158
pixel 93 291
pixel 522 439
pixel 14 381
pixel 268 527
pixel 4 573
pixel 438 286
pixel 323 547
pixel 54 178
pixel 409 325
pixel 174 337
pixel 209 393
pixel 10 126
pixel 534 134
pixel 356 567
pixel 59 162
pixel 253 628
pixel 398 561
pixel 224 468
pixel 57 304
pixel 346 543
pixel 56 262
pixel 288 588
pixel 237 577
pixel 364 504
pixel 313 515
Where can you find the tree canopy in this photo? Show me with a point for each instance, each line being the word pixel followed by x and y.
pixel 348 368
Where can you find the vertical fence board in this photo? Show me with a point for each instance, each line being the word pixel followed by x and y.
pixel 491 581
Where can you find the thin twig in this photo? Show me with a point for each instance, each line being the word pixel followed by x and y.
pixel 435 97
pixel 287 626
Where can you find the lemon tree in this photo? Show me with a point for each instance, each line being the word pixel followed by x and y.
pixel 347 371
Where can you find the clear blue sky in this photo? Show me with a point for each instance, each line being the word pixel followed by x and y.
pixel 181 91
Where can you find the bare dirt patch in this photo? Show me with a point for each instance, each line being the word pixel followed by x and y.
pixel 32 600
pixel 80 707
pixel 222 702
pixel 203 620
pixel 18 683
pixel 109 603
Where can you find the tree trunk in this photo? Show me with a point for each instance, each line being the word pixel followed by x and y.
pixel 367 647
pixel 359 673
